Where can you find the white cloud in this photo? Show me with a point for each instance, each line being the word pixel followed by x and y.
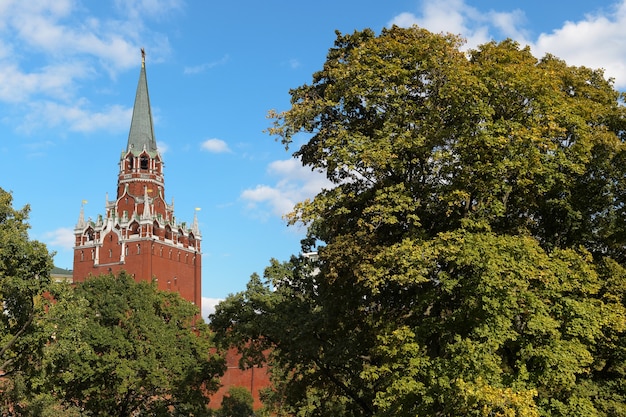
pixel 448 16
pixel 292 63
pixel 62 237
pixel 53 81
pixel 291 172
pixel 162 147
pixel 279 199
pixel 61 32
pixel 155 8
pixel 77 117
pixel 208 306
pixel 404 20
pixel 206 66
pixel 49 49
pixel 596 41
pixel 294 183
pixel 215 146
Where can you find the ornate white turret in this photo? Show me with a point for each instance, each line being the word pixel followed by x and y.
pixel 81 217
pixel 146 204
pixel 195 229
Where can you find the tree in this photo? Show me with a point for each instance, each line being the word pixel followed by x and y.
pixel 238 403
pixel 471 251
pixel 25 267
pixel 123 348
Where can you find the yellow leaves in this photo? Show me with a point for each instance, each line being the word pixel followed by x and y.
pixel 483 399
pixel 390 206
pixel 405 263
pixel 400 362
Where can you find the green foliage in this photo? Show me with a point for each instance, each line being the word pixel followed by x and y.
pixel 21 401
pixel 238 403
pixel 471 251
pixel 24 276
pixel 118 347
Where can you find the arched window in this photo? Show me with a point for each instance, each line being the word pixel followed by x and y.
pixel 134 228
pixel 144 162
pixel 138 249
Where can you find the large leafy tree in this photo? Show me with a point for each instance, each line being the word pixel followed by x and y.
pixel 238 403
pixel 471 251
pixel 122 348
pixel 25 267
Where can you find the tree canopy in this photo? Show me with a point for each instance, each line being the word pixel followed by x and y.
pixel 238 403
pixel 122 348
pixel 25 267
pixel 471 252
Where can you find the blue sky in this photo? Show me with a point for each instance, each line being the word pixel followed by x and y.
pixel 69 69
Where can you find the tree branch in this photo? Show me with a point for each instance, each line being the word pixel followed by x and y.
pixel 14 340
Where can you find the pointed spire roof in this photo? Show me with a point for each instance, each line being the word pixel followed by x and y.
pixel 81 217
pixel 141 135
pixel 195 228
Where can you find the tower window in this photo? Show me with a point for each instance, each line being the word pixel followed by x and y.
pixel 138 249
pixel 134 228
pixel 110 253
pixel 144 162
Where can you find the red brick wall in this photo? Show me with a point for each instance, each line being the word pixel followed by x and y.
pixel 254 379
pixel 175 268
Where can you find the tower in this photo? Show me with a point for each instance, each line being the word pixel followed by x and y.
pixel 139 232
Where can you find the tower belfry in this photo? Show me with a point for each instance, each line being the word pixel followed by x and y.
pixel 139 232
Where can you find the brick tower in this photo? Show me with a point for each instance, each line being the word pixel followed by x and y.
pixel 139 232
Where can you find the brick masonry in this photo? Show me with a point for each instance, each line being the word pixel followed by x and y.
pixel 139 234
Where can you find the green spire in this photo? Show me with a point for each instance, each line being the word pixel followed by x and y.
pixel 141 133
